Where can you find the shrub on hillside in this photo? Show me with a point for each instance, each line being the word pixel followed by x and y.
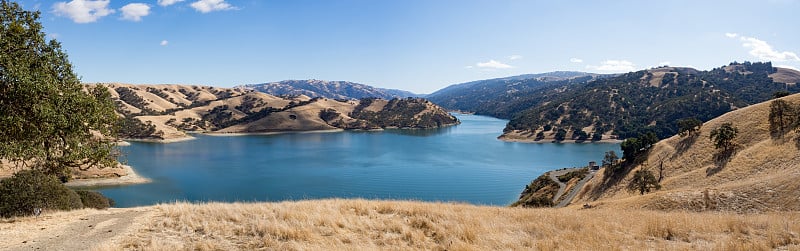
pixel 94 199
pixel 31 189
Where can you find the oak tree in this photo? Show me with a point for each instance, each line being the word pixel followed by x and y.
pixel 49 120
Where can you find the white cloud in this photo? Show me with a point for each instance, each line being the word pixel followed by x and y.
pixel 83 11
pixel 731 35
pixel 468 67
pixel 763 51
pixel 576 60
pixel 135 11
pixel 168 2
pixel 164 43
pixel 514 57
pixel 206 6
pixel 665 63
pixel 492 64
pixel 613 66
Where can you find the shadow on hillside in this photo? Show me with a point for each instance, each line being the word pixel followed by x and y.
pixel 684 144
pixel 721 159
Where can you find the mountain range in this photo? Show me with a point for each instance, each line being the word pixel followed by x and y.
pixel 327 89
pixel 582 106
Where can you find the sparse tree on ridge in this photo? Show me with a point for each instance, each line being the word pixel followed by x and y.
pixel 643 181
pixel 781 117
pixel 723 136
pixel 610 159
pixel 689 126
pixel 48 119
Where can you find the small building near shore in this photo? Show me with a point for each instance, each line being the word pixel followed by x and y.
pixel 593 166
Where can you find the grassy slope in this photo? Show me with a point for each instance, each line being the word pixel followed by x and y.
pixel 403 225
pixel 763 175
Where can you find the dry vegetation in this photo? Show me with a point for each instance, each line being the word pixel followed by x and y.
pixel 402 225
pixel 763 174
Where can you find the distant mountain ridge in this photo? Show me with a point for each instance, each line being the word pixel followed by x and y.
pixel 327 89
pixel 646 101
pixel 497 97
pixel 582 106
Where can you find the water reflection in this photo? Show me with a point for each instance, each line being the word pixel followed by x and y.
pixel 421 132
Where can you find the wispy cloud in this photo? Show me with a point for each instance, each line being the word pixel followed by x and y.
pixel 763 51
pixel 576 60
pixel 493 64
pixel 206 6
pixel 83 11
pixel 135 11
pixel 514 57
pixel 665 63
pixel 613 66
pixel 731 35
pixel 168 2
pixel 164 43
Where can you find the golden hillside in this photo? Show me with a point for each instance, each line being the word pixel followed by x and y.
pixel 762 175
pixel 164 112
pixel 395 225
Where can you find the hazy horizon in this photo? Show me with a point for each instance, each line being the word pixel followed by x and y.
pixel 418 46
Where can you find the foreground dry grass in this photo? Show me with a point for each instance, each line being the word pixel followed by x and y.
pixel 401 225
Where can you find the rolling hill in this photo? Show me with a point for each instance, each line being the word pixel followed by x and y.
pixel 647 101
pixel 164 112
pixel 327 89
pixel 762 174
pixel 503 97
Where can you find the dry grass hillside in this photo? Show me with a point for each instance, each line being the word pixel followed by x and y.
pixel 163 112
pixel 762 175
pixel 396 225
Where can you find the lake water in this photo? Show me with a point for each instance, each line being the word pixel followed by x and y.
pixel 464 163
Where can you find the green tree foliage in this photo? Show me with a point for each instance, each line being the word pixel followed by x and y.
pixel 539 193
pixel 579 174
pixel 610 159
pixel 45 113
pixel 689 126
pixel 780 94
pixel 133 128
pixel 31 189
pixel 782 117
pixel 643 181
pixel 632 148
pixel 723 136
pixel 561 134
pixel 92 199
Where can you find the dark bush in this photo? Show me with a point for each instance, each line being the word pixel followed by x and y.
pixel 94 199
pixel 27 190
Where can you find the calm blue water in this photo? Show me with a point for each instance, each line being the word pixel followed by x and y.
pixel 464 163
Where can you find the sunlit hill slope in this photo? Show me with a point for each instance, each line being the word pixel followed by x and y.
pixel 169 111
pixel 761 175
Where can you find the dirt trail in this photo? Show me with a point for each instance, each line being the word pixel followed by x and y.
pixel 76 230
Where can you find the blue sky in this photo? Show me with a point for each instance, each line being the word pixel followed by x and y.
pixel 420 46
